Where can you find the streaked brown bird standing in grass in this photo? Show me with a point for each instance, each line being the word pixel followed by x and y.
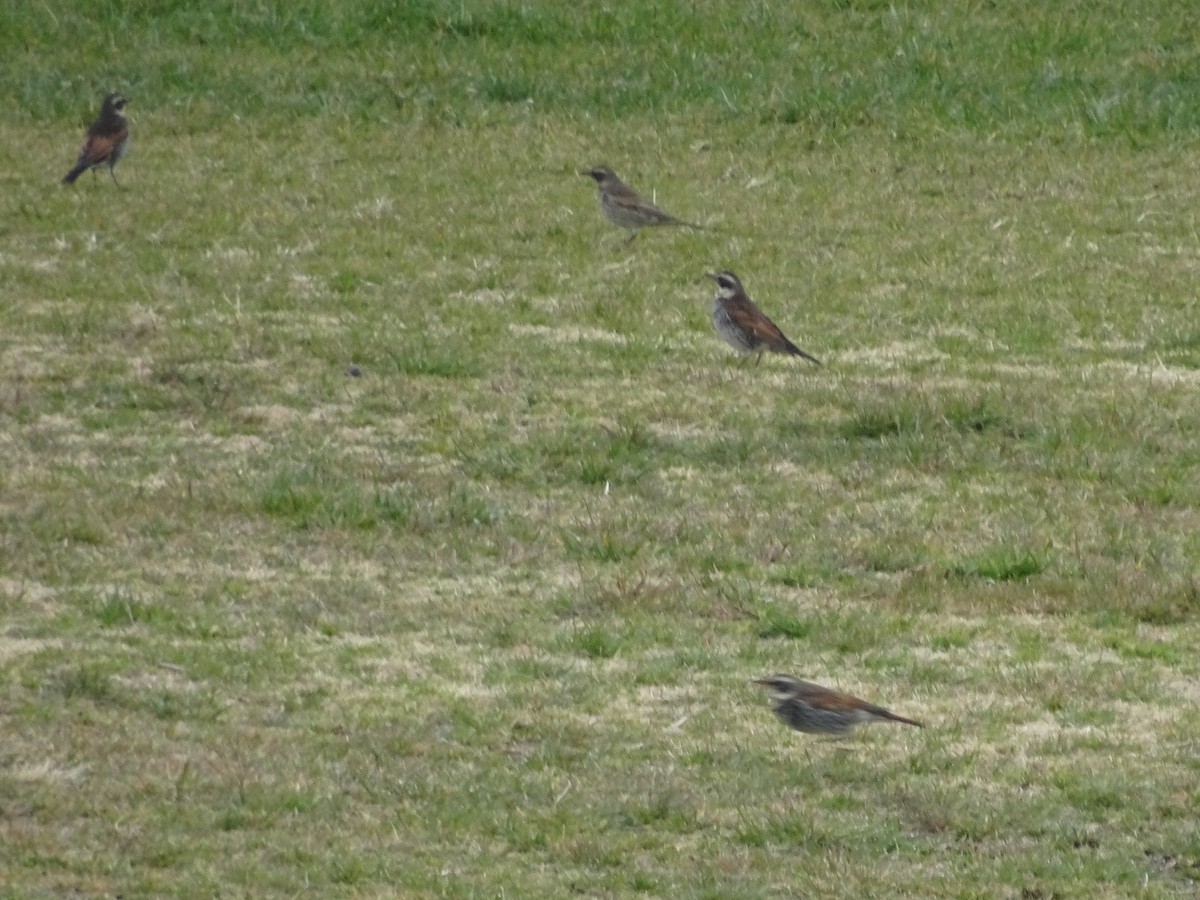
pixel 106 142
pixel 743 325
pixel 814 709
pixel 625 208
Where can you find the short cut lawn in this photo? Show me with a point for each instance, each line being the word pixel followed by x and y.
pixel 375 522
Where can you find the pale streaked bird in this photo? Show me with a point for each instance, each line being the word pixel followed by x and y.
pixel 625 208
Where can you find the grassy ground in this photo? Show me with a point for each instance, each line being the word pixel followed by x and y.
pixel 481 621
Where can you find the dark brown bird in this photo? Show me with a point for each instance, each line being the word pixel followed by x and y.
pixel 814 709
pixel 743 325
pixel 106 142
pixel 625 208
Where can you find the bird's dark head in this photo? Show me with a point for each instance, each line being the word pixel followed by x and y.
pixel 115 103
pixel 728 284
pixel 600 173
pixel 779 685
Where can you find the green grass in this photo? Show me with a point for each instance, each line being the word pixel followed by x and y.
pixel 482 621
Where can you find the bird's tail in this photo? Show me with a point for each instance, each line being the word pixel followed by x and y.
pixel 796 351
pixel 888 714
pixel 79 169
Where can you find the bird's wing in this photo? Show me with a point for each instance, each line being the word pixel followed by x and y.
pixel 819 697
pixel 629 200
pixel 751 319
pixel 99 147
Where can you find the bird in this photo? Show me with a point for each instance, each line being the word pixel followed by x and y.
pixel 625 208
pixel 813 709
pixel 106 142
pixel 743 325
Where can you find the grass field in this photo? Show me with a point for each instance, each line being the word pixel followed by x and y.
pixel 482 621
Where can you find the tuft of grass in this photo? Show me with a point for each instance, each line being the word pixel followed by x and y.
pixel 86 682
pixel 598 643
pixel 119 609
pixel 878 423
pixel 314 497
pixel 778 623
pixel 1002 564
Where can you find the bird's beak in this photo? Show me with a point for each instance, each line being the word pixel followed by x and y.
pixel 760 681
